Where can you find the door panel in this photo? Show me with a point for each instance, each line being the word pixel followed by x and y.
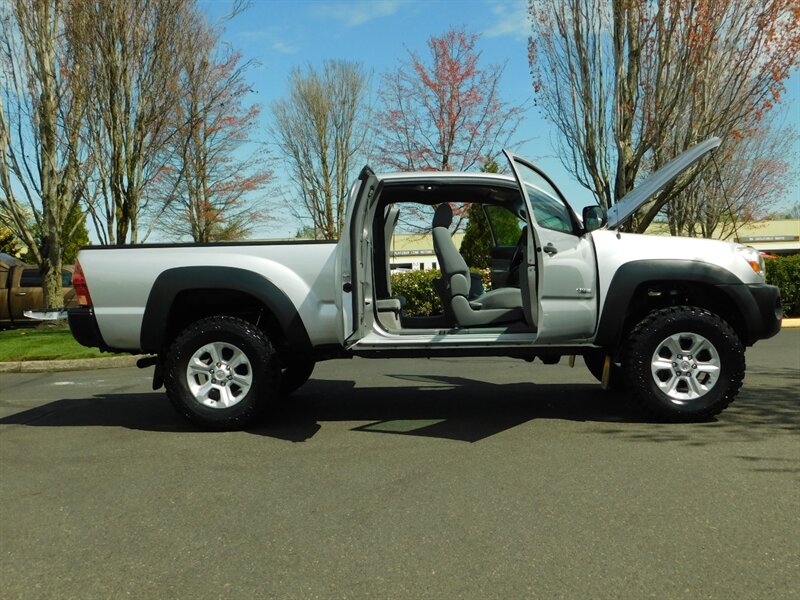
pixel 567 292
pixel 27 294
pixel 566 260
pixel 5 283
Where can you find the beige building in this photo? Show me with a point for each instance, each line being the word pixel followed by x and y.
pixel 773 237
pixel 778 237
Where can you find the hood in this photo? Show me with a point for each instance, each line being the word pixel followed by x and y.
pixel 634 199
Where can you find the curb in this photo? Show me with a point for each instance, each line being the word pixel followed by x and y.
pixel 81 364
pixel 790 323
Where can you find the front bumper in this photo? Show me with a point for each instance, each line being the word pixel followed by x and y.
pixel 84 327
pixel 767 322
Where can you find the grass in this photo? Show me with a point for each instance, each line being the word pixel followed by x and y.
pixel 42 344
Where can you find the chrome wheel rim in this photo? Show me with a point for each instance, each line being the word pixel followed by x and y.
pixel 685 367
pixel 219 375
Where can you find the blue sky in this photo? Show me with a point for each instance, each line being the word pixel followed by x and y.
pixel 281 35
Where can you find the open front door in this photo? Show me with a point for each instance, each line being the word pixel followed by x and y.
pixel 564 288
pixel 353 261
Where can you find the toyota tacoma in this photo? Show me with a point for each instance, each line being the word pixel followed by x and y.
pixel 232 326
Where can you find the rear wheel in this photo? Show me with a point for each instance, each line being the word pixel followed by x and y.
pixel 221 372
pixel 684 363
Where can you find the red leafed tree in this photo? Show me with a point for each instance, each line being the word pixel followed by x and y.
pixel 444 113
pixel 629 84
pixel 210 188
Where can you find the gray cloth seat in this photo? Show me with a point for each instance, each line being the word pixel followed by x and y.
pixel 491 308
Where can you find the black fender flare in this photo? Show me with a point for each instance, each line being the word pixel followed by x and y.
pixel 631 275
pixel 171 282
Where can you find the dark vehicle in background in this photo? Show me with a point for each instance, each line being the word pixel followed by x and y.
pixel 21 289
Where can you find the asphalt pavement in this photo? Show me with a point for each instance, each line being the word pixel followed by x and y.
pixel 448 478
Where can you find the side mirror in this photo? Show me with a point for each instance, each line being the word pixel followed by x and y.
pixel 594 217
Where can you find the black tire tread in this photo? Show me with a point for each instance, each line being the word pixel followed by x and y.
pixel 637 379
pixel 245 414
pixel 295 375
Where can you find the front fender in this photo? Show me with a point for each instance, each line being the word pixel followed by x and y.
pixel 630 276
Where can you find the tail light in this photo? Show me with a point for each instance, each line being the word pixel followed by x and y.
pixel 81 289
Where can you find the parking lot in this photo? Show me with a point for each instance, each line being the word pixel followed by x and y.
pixel 449 478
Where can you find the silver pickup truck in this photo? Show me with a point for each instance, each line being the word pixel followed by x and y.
pixel 232 326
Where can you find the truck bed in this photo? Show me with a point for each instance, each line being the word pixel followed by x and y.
pixel 120 280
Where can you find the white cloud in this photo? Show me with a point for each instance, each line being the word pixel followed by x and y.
pixel 285 47
pixel 271 37
pixel 355 13
pixel 511 20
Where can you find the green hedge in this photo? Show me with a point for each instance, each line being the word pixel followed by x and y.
pixel 421 297
pixel 417 288
pixel 784 272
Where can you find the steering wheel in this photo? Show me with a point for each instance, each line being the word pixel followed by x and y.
pixel 516 258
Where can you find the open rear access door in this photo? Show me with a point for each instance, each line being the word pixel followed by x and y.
pixel 353 261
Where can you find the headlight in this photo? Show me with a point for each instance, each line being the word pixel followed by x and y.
pixel 753 258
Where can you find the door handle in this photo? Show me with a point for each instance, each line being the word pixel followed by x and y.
pixel 550 249
pixel 20 293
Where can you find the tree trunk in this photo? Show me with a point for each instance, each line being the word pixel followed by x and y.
pixel 51 264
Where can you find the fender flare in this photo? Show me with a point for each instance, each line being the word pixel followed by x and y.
pixel 631 275
pixel 171 282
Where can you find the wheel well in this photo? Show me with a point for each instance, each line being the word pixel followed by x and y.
pixel 653 295
pixel 192 305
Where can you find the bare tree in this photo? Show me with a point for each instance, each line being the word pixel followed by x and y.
pixel 446 113
pixel 42 150
pixel 130 50
pixel 748 176
pixel 317 128
pixel 208 184
pixel 629 84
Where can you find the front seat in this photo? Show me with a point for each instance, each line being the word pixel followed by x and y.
pixel 495 307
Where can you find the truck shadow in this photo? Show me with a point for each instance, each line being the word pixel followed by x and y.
pixel 440 407
pixel 452 408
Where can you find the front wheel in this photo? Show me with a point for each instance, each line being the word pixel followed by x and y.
pixel 684 363
pixel 294 375
pixel 221 372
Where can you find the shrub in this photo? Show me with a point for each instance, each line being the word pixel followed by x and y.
pixel 486 276
pixel 417 288
pixel 421 297
pixel 784 272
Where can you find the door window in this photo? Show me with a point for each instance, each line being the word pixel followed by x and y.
pixel 33 278
pixel 549 210
pixel 30 278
